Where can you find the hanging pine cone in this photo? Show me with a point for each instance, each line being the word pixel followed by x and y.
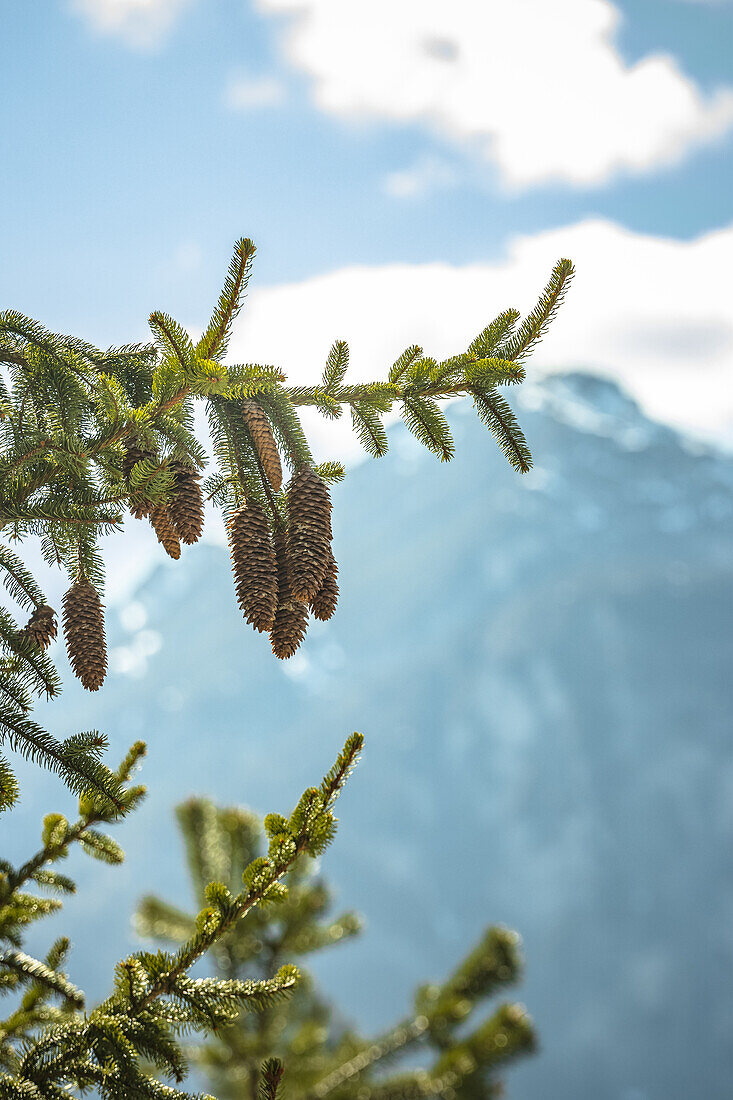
pixel 254 566
pixel 41 627
pixel 259 428
pixel 309 532
pixel 186 505
pixel 309 502
pixel 161 523
pixel 84 631
pixel 324 602
pixel 132 453
pixel 291 619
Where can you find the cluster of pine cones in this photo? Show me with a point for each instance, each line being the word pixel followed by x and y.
pixel 83 620
pixel 179 520
pixel 283 573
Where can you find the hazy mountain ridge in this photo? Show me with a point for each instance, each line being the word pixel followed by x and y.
pixel 542 669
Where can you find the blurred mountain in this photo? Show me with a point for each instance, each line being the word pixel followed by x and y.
pixel 542 667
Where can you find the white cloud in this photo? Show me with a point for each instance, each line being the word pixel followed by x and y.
pixel 244 93
pixel 652 313
pixel 426 175
pixel 140 23
pixel 537 88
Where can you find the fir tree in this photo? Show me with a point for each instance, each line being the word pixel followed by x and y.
pixel 322 1058
pixel 86 436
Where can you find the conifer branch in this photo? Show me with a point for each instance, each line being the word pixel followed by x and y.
pixel 32 970
pixel 460 1057
pixel 154 997
pixel 71 416
pixel 536 323
pixel 398 1038
pixel 270 1077
pixel 213 342
pixel 309 829
pixel 59 835
pixel 19 582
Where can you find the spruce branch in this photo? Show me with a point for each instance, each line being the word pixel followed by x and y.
pixel 460 1046
pixel 534 326
pixel 398 1038
pixel 154 997
pixel 270 1077
pixel 309 829
pixel 59 835
pixel 88 434
pixel 30 970
pixel 214 341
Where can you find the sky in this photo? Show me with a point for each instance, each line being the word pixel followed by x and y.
pixel 407 168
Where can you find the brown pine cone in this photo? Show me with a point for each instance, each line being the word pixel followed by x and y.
pixel 324 602
pixel 309 502
pixel 291 619
pixel 132 453
pixel 259 428
pixel 161 523
pixel 254 566
pixel 309 532
pixel 83 619
pixel 186 505
pixel 308 556
pixel 41 627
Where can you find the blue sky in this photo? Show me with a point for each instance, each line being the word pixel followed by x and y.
pixel 141 137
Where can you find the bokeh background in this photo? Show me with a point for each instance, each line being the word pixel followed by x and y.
pixel 542 665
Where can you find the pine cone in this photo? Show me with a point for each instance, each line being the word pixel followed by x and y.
pixel 254 566
pixel 291 619
pixel 161 523
pixel 309 532
pixel 324 602
pixel 132 453
pixel 84 631
pixel 41 627
pixel 259 428
pixel 186 505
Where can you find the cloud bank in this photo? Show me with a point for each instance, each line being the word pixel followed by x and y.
pixel 538 90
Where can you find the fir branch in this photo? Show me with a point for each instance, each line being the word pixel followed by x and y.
pixel 71 416
pixel 173 339
pixel 29 969
pixel 78 768
pixel 428 424
pixel 369 429
pixel 270 1077
pixel 19 582
pixel 499 418
pixel 336 366
pixel 534 326
pixel 311 827
pixel 396 1039
pixel 213 343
